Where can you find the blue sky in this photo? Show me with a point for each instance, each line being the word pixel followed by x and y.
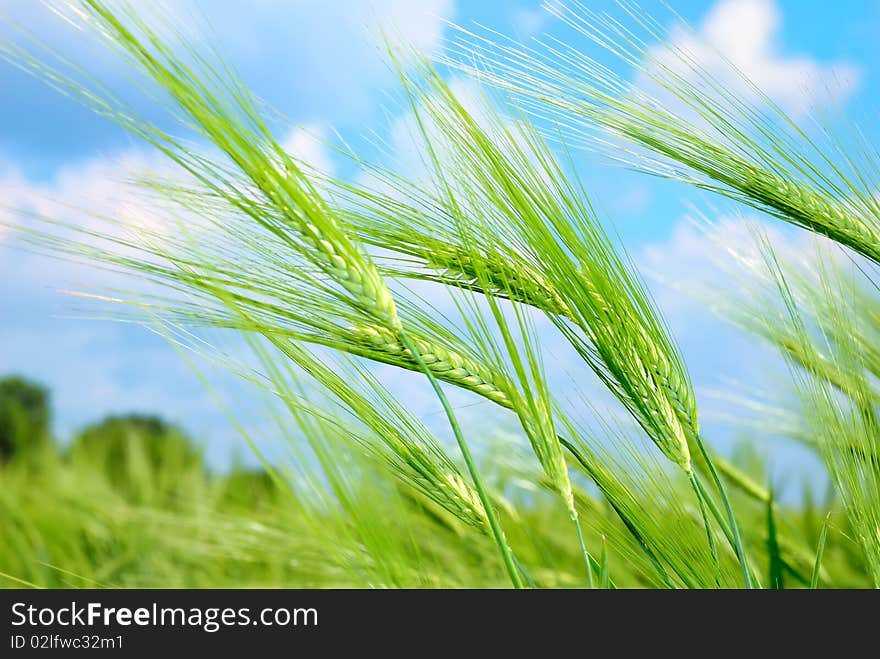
pixel 319 64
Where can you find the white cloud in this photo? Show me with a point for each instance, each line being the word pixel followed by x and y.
pixel 704 261
pixel 406 141
pixel 14 190
pixel 100 192
pixel 529 22
pixel 95 368
pixel 695 258
pixel 420 24
pixel 98 197
pixel 746 33
pixel 308 144
pixel 405 138
pixel 701 276
pixel 315 59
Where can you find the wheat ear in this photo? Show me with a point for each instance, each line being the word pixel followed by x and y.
pixel 445 364
pixel 457 267
pixel 801 205
pixel 348 267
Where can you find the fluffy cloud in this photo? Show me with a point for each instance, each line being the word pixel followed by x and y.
pixel 529 22
pixel 697 257
pixel 100 193
pixel 406 142
pixel 420 24
pixel 746 33
pixel 99 197
pixel 742 380
pixel 702 261
pixel 13 192
pixel 308 144
pixel 325 59
pixel 103 194
pixel 311 60
pixel 93 368
pixel 406 137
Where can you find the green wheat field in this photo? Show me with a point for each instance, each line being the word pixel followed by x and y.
pixel 327 282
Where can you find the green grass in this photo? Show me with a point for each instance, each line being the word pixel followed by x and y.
pixel 68 524
pixel 262 247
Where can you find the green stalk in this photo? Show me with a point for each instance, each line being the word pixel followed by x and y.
pixel 709 537
pixel 655 561
pixel 716 513
pixel 522 569
pixel 584 553
pixel 820 552
pixel 497 531
pixel 734 529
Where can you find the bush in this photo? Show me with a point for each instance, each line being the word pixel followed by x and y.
pixel 24 417
pixel 249 488
pixel 141 455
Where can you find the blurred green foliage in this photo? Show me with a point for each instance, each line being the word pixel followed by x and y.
pixel 139 454
pixel 132 504
pixel 24 417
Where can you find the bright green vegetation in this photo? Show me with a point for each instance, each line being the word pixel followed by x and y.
pixel 318 276
pixel 160 518
pixel 24 417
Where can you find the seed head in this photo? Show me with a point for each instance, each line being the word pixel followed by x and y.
pixel 445 364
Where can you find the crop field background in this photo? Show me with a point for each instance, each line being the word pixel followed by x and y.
pixel 439 295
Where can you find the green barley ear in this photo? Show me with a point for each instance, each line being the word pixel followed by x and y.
pixel 507 182
pixel 519 209
pixel 218 106
pixel 505 342
pixel 507 336
pixel 450 363
pixel 299 219
pixel 445 363
pixel 847 426
pixel 351 401
pixel 396 436
pixel 687 123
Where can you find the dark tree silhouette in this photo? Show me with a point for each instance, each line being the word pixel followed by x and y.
pixel 24 417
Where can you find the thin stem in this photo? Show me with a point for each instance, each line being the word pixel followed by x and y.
pixel 734 529
pixel 725 526
pixel 716 513
pixel 494 524
pixel 522 568
pixel 584 552
pixel 820 552
pixel 709 536
pixel 723 523
pixel 623 518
